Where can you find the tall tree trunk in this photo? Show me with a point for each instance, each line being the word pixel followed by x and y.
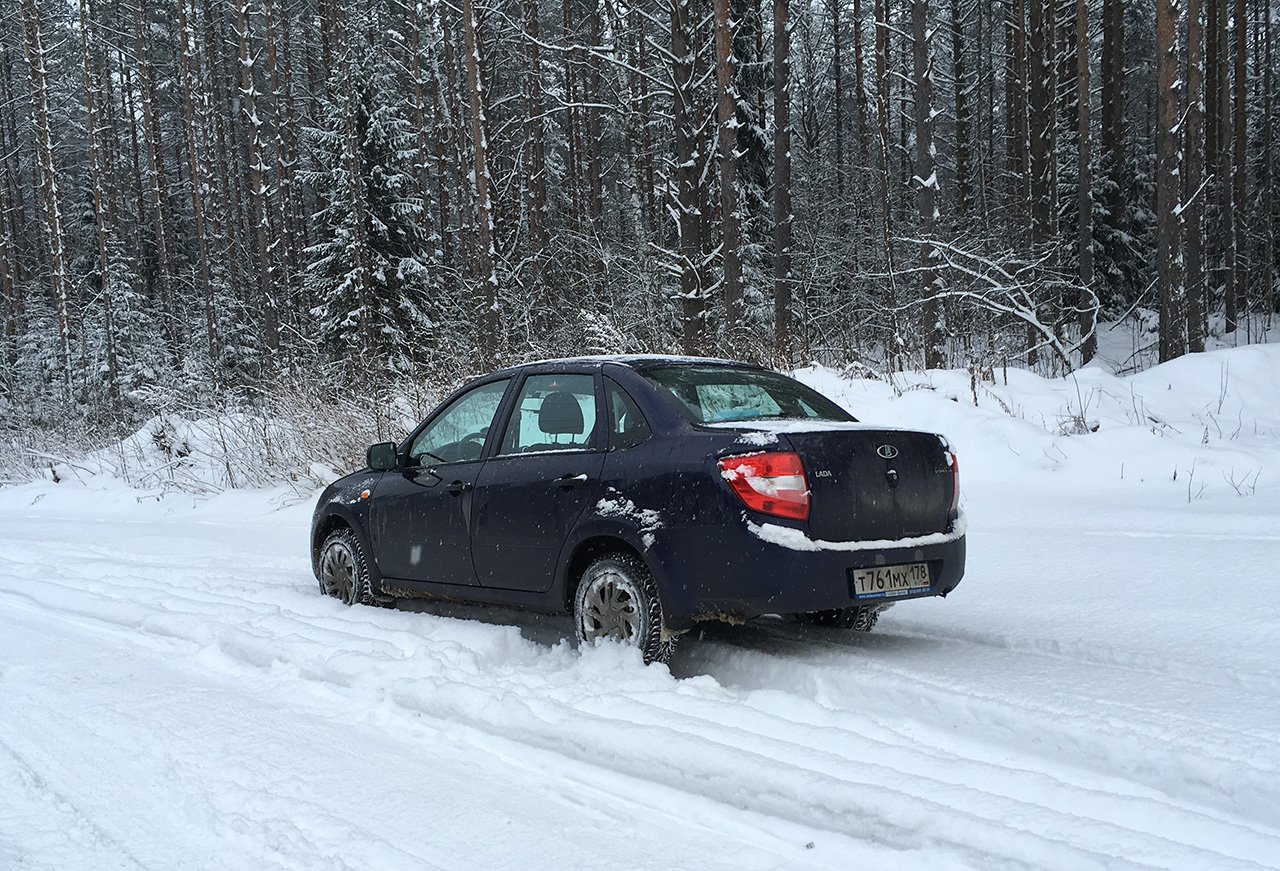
pixel 1042 123
pixel 1267 178
pixel 963 115
pixel 926 184
pixel 1193 197
pixel 1167 190
pixel 595 182
pixel 1016 136
pixel 838 98
pixel 1111 136
pixel 886 202
pixel 486 301
pixel 1084 184
pixel 535 145
pixel 1239 211
pixel 49 195
pixel 1226 226
pixel 782 217
pixel 157 176
pixel 859 86
pixel 728 111
pixel 259 208
pixel 688 206
pixel 102 231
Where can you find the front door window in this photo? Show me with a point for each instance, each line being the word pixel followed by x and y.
pixel 457 435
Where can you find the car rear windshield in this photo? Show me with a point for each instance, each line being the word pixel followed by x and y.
pixel 715 394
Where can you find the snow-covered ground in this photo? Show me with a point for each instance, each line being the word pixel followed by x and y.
pixel 1102 691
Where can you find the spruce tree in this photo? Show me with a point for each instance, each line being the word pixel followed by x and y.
pixel 367 280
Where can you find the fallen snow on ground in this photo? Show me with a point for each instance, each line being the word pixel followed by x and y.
pixel 1102 690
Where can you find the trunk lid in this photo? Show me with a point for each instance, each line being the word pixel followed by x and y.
pixel 867 483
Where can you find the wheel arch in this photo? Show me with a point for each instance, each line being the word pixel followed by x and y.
pixel 587 551
pixel 336 519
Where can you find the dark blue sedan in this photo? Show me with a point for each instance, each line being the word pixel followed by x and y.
pixel 645 495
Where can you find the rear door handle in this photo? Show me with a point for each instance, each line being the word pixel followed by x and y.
pixel 459 487
pixel 570 481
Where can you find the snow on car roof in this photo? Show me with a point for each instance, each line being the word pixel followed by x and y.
pixel 633 359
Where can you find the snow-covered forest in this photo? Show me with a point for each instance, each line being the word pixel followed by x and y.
pixel 208 200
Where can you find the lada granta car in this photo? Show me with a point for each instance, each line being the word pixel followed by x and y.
pixel 644 495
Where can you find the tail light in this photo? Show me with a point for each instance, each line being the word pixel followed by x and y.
pixel 955 485
pixel 771 483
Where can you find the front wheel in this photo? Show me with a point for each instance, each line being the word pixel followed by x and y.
pixel 343 572
pixel 618 599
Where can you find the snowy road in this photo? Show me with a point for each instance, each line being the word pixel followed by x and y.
pixel 175 694
pixel 1102 691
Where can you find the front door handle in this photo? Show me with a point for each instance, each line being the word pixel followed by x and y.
pixel 458 487
pixel 569 482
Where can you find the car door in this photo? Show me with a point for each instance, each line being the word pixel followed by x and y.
pixel 542 476
pixel 421 512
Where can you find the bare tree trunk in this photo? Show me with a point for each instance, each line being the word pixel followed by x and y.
pixel 926 184
pixel 1193 197
pixel 728 111
pixel 1172 323
pixel 1268 179
pixel 1084 184
pixel 1226 226
pixel 1041 117
pixel 49 195
pixel 782 216
pixel 964 149
pixel 535 145
pixel 1113 112
pixel 1016 136
pixel 91 88
pixel 228 196
pixel 259 218
pixel 487 299
pixel 882 127
pixel 1239 173
pixel 859 85
pixel 838 98
pixel 688 219
pixel 595 184
pixel 162 213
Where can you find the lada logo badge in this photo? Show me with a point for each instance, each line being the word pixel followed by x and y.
pixel 887 451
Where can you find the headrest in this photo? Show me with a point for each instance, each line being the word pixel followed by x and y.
pixel 561 414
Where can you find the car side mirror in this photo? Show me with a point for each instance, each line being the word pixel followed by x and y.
pixel 382 456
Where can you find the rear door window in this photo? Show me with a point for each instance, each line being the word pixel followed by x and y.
pixel 627 426
pixel 552 413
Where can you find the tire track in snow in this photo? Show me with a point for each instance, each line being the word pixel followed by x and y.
pixel 688 736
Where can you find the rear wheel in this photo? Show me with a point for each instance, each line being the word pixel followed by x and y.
pixel 618 599
pixel 861 618
pixel 344 574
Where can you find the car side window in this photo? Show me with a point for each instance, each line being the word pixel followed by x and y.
pixel 552 413
pixel 627 426
pixel 458 433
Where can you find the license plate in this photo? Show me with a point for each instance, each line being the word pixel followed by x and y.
pixel 886 582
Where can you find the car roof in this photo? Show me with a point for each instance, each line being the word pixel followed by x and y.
pixel 634 361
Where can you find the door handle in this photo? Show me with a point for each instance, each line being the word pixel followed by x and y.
pixel 459 487
pixel 569 482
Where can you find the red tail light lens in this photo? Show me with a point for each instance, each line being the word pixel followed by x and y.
pixel 771 483
pixel 955 485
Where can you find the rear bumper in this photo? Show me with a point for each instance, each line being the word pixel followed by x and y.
pixel 739 571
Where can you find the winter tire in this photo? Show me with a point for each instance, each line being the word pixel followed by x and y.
pixel 344 573
pixel 618 599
